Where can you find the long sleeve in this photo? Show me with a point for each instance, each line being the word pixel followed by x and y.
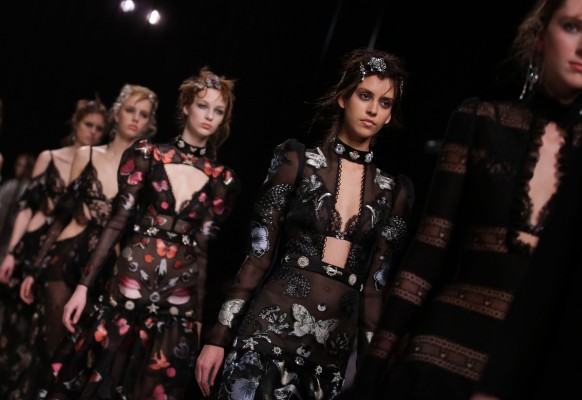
pixel 422 266
pixel 392 233
pixel 265 229
pixel 225 198
pixel 132 176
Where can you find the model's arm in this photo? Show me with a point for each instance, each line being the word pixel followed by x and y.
pixel 392 229
pixel 421 267
pixel 28 205
pixel 270 205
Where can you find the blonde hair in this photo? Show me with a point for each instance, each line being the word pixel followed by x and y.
pixel 143 93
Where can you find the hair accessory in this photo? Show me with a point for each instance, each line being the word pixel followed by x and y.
pixel 211 81
pixel 374 65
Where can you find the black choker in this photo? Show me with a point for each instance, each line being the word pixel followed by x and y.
pixel 188 148
pixel 349 153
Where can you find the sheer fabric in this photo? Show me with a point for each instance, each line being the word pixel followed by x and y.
pixel 306 313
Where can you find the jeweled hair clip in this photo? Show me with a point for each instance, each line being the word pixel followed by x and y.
pixel 211 81
pixel 375 64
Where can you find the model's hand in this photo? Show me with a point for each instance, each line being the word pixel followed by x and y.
pixel 207 366
pixel 74 308
pixel 6 269
pixel 26 290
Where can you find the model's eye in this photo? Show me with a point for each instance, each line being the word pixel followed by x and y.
pixel 144 115
pixel 386 103
pixel 571 27
pixel 219 111
pixel 203 106
pixel 365 96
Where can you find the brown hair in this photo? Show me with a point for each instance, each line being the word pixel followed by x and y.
pixel 352 65
pixel 196 86
pixel 83 108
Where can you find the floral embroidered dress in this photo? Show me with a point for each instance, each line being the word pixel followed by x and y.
pixel 293 339
pixel 57 269
pixel 140 341
pixel 458 278
pixel 42 193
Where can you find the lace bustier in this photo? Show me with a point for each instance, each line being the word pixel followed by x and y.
pixel 43 191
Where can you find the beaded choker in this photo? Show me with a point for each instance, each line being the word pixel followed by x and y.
pixel 190 149
pixel 349 153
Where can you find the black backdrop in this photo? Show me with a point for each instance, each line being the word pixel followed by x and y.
pixel 283 55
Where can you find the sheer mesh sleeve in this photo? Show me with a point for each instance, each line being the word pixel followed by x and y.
pixel 225 198
pixel 265 228
pixel 422 266
pixel 392 237
pixel 132 176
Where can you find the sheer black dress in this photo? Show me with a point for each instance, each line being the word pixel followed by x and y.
pixel 458 278
pixel 141 340
pixel 291 321
pixel 42 193
pixel 57 268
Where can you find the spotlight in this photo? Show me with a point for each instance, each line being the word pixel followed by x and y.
pixel 127 5
pixel 154 17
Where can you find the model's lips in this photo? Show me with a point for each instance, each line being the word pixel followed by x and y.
pixel 206 126
pixel 132 127
pixel 368 122
pixel 576 66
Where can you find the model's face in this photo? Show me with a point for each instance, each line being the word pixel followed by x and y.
pixel 133 116
pixel 89 131
pixel 20 167
pixel 204 115
pixel 367 110
pixel 561 45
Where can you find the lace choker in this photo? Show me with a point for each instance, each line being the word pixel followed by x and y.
pixel 349 153
pixel 191 150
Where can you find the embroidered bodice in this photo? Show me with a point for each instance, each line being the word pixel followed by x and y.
pixel 305 302
pixel 163 251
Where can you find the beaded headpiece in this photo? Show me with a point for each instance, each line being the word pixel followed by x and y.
pixel 211 81
pixel 374 65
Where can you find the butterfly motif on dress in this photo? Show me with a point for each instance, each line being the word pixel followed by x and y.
pixel 128 169
pixel 164 157
pixel 144 147
pixel 212 171
pixel 159 361
pixel 383 181
pixel 161 186
pixel 189 159
pixel 307 324
pixel 316 160
pixel 164 250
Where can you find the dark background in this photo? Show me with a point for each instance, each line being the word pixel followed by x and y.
pixel 283 54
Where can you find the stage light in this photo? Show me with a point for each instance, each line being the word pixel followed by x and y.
pixel 127 5
pixel 154 17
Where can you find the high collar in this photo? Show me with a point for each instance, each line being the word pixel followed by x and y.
pixel 349 153
pixel 188 148
pixel 565 115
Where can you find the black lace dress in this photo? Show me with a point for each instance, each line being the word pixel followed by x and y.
pixel 140 340
pixel 297 317
pixel 42 193
pixel 57 270
pixel 460 273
